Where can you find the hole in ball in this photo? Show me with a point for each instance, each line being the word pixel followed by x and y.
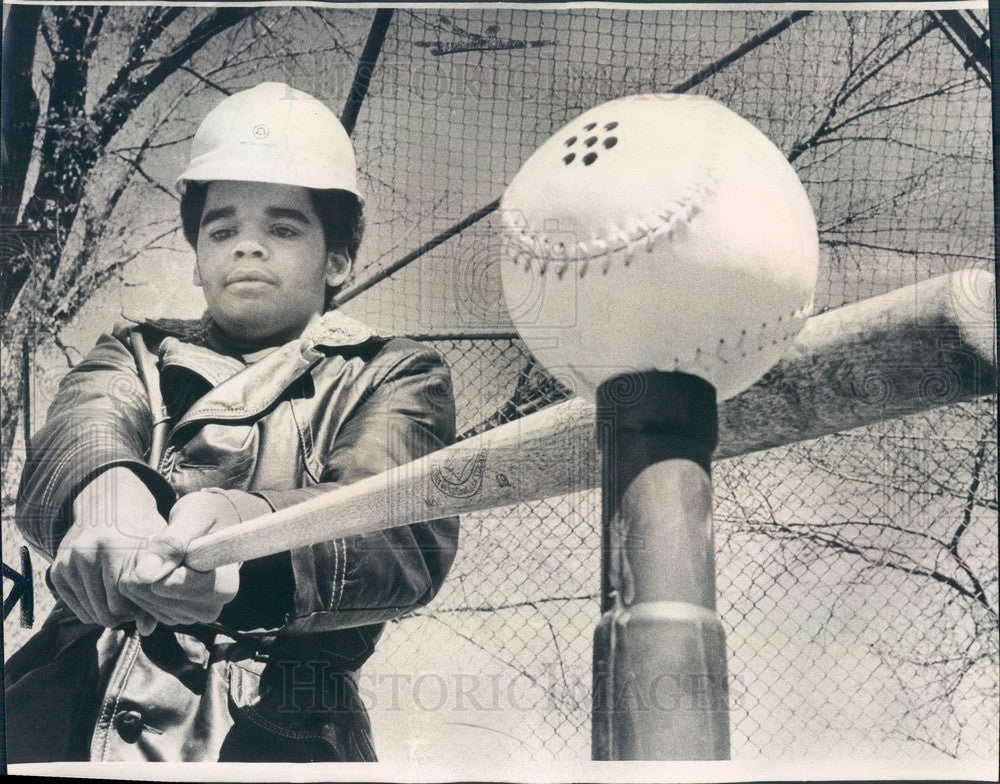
pixel 611 126
pixel 571 141
pixel 610 142
pixel 589 126
pixel 569 158
pixel 591 141
pixel 589 158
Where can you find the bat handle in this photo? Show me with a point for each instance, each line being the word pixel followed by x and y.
pixel 660 684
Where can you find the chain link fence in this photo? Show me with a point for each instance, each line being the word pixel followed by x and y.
pixel 857 572
pixel 857 581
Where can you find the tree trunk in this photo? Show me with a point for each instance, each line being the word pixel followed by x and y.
pixel 12 400
pixel 20 115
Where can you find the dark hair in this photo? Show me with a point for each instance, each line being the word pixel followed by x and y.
pixel 339 212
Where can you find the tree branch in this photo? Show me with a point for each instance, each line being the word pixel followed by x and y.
pixel 134 163
pixel 94 33
pixel 956 539
pixel 948 88
pixel 205 80
pixel 835 542
pixel 846 90
pixel 891 249
pixel 879 67
pixel 150 29
pixel 124 95
pixel 532 603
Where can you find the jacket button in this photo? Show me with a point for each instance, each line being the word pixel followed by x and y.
pixel 129 725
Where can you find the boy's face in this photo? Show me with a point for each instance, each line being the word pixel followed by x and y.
pixel 262 261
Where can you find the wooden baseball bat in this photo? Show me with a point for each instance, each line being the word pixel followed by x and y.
pixel 912 349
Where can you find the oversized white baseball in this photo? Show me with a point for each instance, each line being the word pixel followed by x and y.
pixel 658 232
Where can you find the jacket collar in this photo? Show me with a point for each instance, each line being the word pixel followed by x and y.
pixel 243 391
pixel 336 330
pixel 332 329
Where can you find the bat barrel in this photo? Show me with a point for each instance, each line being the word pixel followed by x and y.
pixel 660 684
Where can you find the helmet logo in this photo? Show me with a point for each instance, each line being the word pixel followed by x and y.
pixel 260 131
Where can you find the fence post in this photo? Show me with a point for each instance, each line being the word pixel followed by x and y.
pixel 660 686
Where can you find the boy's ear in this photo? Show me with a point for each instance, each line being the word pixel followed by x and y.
pixel 338 267
pixel 196 278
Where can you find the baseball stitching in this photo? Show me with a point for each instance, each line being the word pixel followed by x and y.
pixel 644 230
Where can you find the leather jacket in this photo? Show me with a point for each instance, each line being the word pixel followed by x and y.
pixel 274 678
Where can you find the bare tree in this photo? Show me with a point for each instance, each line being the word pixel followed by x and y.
pixel 893 507
pixel 878 109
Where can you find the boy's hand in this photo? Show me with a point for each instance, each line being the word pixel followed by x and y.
pixel 174 594
pixel 112 517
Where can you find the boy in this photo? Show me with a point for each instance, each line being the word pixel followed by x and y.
pixel 270 400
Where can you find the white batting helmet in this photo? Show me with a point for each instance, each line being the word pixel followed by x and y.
pixel 272 133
